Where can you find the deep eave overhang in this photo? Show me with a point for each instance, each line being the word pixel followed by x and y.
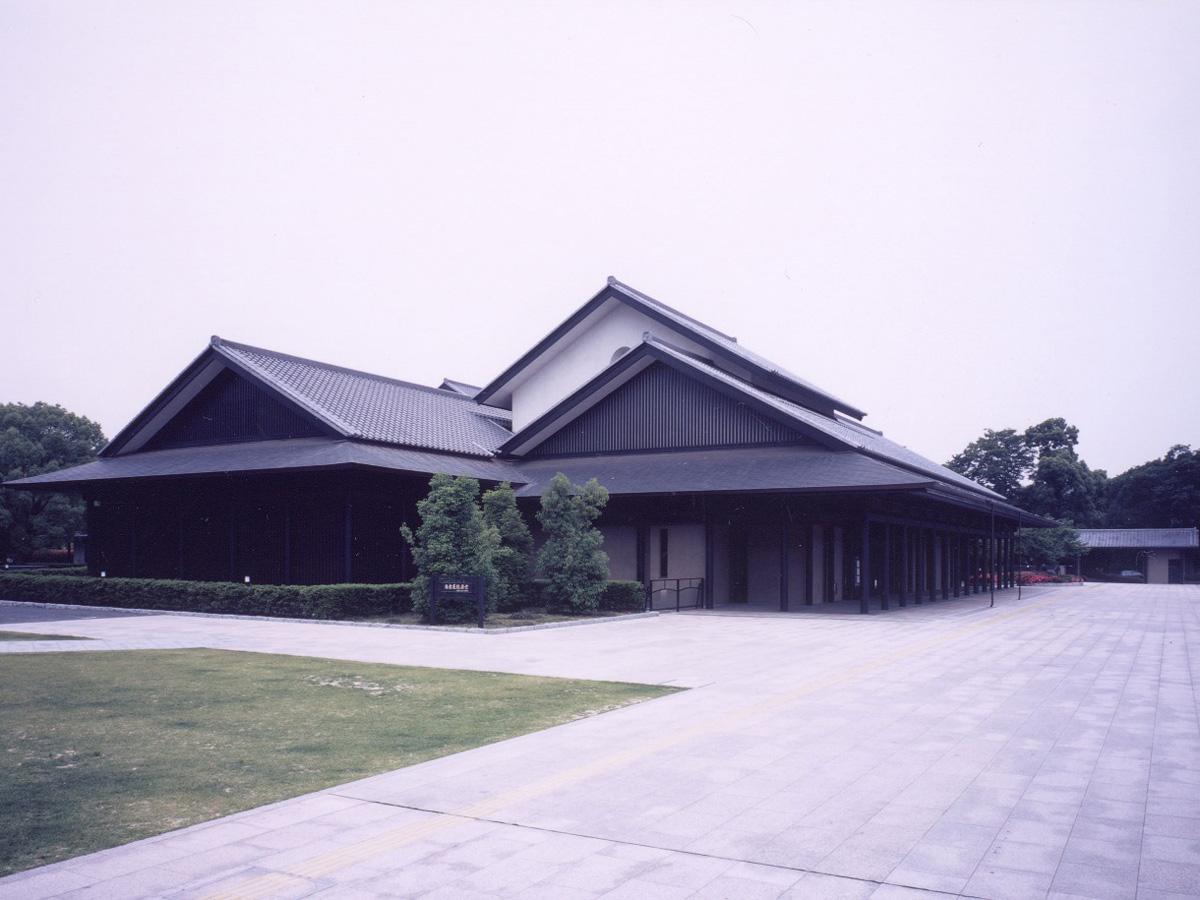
pixel 694 330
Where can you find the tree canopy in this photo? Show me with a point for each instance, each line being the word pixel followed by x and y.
pixel 998 460
pixel 1163 493
pixel 1040 470
pixel 34 440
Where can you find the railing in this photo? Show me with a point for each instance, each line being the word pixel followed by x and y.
pixel 669 593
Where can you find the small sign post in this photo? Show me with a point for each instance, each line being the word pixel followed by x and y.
pixel 471 586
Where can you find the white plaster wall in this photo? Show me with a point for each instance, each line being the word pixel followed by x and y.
pixel 568 366
pixel 1156 566
pixel 620 543
pixel 685 551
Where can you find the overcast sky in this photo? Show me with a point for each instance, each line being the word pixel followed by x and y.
pixel 954 215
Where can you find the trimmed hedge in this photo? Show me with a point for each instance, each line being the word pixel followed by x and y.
pixel 50 570
pixel 623 596
pixel 322 601
pixel 618 596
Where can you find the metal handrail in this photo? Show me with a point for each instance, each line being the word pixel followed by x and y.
pixel 677 586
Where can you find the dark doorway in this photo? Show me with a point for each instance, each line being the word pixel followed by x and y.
pixel 1174 571
pixel 739 566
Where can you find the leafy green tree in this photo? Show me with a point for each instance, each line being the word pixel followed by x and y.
pixel 1064 488
pixel 1043 547
pixel 1162 493
pixel 1052 437
pixel 514 557
pixel 571 560
pixel 34 440
pixel 999 460
pixel 452 540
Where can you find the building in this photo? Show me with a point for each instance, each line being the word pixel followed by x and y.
pixel 1160 555
pixel 728 474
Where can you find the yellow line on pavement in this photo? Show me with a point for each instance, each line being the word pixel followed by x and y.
pixel 322 864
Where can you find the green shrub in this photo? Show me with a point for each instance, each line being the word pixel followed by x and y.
pixel 452 541
pixel 513 559
pixel 623 596
pixel 574 566
pixel 320 601
pixel 52 570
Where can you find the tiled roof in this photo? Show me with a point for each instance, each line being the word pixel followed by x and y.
pixel 729 344
pixel 1134 538
pixel 841 428
pixel 374 408
pixel 271 456
pixel 741 469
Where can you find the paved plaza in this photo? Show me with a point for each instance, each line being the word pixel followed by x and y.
pixel 1049 747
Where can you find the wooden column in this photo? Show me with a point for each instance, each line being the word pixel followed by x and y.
pixel 709 558
pixel 930 562
pixel 864 563
pixel 348 541
pixel 785 557
pixel 904 565
pixel 809 575
pixel 885 584
pixel 945 539
pixel 918 554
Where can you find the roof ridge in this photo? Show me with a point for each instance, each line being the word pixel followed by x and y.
pixel 218 341
pixel 631 291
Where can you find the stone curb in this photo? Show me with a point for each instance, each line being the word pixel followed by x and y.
pixel 541 626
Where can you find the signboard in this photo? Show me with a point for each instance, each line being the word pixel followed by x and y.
pixel 459 587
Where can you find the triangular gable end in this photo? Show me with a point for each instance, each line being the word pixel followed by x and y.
pixel 633 364
pixel 661 408
pixel 230 410
pixel 216 400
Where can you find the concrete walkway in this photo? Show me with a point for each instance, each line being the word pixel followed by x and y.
pixel 1048 747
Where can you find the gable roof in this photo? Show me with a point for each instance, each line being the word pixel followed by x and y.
pixel 1135 538
pixel 833 432
pixel 347 403
pixel 765 373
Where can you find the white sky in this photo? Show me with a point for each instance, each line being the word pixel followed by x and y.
pixel 954 215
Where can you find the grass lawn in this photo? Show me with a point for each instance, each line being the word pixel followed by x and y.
pixel 98 749
pixel 532 616
pixel 26 636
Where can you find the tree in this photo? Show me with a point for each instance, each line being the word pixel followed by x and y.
pixel 34 440
pixel 1053 436
pixel 1059 484
pixel 1163 493
pixel 514 557
pixel 1064 488
pixel 571 560
pixel 999 460
pixel 452 540
pixel 1044 547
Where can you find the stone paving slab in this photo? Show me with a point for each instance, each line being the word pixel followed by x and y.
pixel 1047 748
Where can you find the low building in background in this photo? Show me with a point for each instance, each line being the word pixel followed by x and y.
pixel 1152 555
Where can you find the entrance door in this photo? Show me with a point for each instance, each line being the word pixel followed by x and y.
pixel 1174 571
pixel 739 567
